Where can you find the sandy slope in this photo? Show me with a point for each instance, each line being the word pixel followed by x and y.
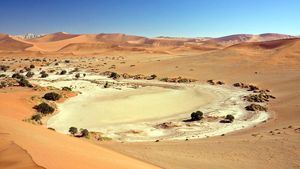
pixel 50 149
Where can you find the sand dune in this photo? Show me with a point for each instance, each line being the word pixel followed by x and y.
pixel 53 37
pixel 9 44
pixel 62 42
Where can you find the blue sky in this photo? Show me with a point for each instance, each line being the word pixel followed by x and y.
pixel 189 18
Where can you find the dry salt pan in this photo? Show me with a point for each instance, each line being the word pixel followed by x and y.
pixel 121 109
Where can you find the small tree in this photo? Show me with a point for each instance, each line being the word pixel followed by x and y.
pixel 84 133
pixel 198 115
pixel 229 117
pixel 77 75
pixel 17 76
pixel 32 66
pixel 24 83
pixel 44 108
pixel 52 96
pixel 73 130
pixel 29 74
pixel 114 75
pixel 63 72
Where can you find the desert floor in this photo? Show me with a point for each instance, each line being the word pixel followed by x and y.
pixel 257 147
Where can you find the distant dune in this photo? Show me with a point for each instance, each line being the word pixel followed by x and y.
pixel 9 44
pixel 62 42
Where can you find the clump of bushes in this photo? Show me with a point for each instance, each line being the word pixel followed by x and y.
pixel 73 130
pixel 84 133
pixel 228 119
pixel 44 108
pixel 24 83
pixel 195 116
pixel 32 66
pixel 255 107
pixel 18 76
pixel 114 75
pixel 52 96
pixel 29 74
pixel 44 74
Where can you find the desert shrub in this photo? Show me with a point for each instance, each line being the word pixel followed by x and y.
pixel 63 72
pixel 32 66
pixel 255 107
pixel 2 75
pixel 44 75
pixel 24 83
pixel 229 117
pixel 77 75
pixel 17 76
pixel 29 74
pixel 4 68
pixel 52 96
pixel 66 89
pixel 73 130
pixel 44 108
pixel 151 77
pixel 106 85
pixel 36 117
pixel 114 75
pixel 84 133
pixel 198 115
pixel 27 68
pixel 67 61
pixel 21 71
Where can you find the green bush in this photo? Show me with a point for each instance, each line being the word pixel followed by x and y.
pixel 18 76
pixel 84 133
pixel 114 75
pixel 29 74
pixel 73 130
pixel 52 96
pixel 24 83
pixel 229 117
pixel 44 108
pixel 44 75
pixel 77 75
pixel 198 115
pixel 63 72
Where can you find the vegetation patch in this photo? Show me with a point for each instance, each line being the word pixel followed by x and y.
pixel 44 108
pixel 52 96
